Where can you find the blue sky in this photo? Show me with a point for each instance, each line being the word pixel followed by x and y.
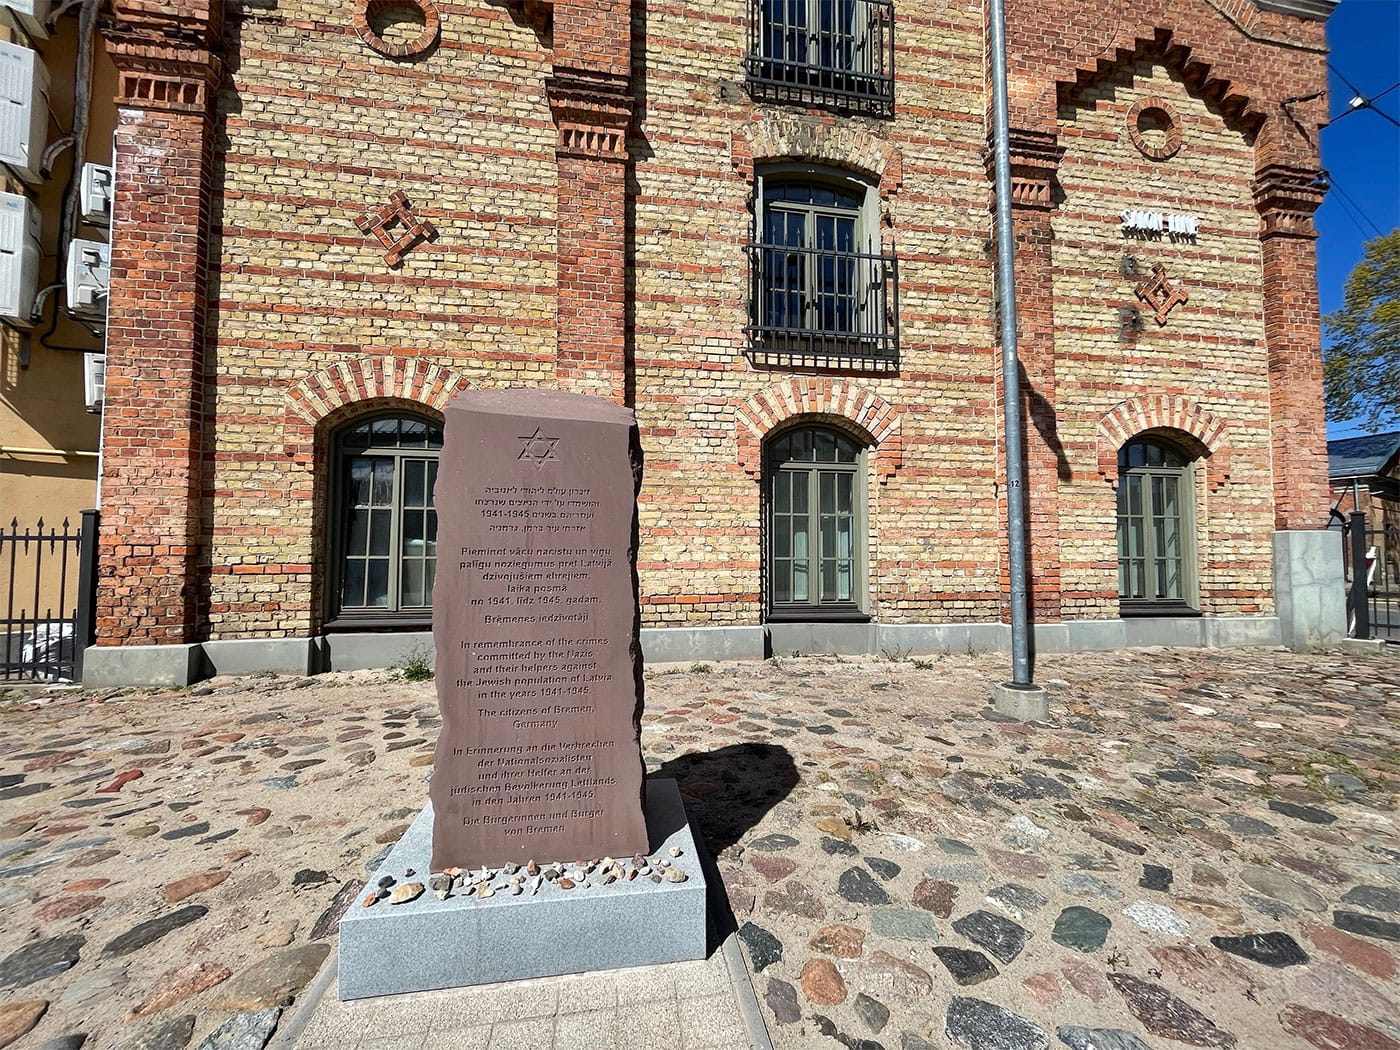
pixel 1361 148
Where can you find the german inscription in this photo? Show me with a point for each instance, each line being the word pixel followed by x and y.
pixel 535 623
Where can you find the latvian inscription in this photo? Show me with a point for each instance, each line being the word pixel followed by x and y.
pixel 534 614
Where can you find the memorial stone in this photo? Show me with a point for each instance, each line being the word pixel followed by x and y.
pixel 536 626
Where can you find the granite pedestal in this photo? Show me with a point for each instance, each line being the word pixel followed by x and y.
pixel 428 944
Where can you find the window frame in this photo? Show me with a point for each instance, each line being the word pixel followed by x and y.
pixel 1184 477
pixel 339 617
pixel 862 83
pixel 835 610
pixel 872 337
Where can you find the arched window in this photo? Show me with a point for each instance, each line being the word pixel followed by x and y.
pixel 816 532
pixel 383 528
pixel 1156 529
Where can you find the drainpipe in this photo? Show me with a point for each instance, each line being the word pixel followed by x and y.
pixel 1019 698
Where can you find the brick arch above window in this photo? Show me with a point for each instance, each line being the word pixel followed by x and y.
pixel 403 380
pixel 1172 415
pixel 791 136
pixel 848 406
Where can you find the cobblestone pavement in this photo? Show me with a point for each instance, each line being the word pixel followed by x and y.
pixel 1200 848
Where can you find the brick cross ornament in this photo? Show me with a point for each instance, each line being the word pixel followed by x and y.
pixel 1157 292
pixel 383 221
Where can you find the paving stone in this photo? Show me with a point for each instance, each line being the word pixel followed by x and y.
pixel 152 930
pixel 1155 877
pixel 914 1041
pixel 1241 824
pixel 936 896
pixel 244 1031
pixel 1330 1032
pixel 1078 883
pixel 955 847
pixel 17 1019
pixel 795 898
pixel 70 1041
pixel 1001 937
pixel 889 978
pixel 1099 1039
pixel 962 871
pixel 980 1025
pixel 200 828
pixel 1366 925
pixel 1016 901
pixel 774 869
pixel 171 1033
pixel 1085 978
pixel 772 843
pixel 1117 842
pixel 1273 883
pixel 858 887
pixel 1044 988
pixel 836 848
pixel 822 983
pixel 40 959
pixel 905 924
pixel 274 980
pixel 1342 991
pixel 966 966
pixel 1324 873
pixel 178 890
pixel 1158 918
pixel 1308 814
pixel 764 948
pixel 1374 898
pixel 1200 968
pixel 874 1013
pixel 1367 957
pixel 1268 949
pixel 1163 1014
pixel 886 869
pixel 178 985
pixel 1082 929
pixel 781 999
pixel 840 940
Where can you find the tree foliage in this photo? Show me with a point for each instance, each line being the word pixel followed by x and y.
pixel 1361 356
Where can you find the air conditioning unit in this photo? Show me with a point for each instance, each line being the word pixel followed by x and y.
pixel 28 15
pixel 94 380
pixel 95 194
pixel 24 110
pixel 19 256
pixel 88 278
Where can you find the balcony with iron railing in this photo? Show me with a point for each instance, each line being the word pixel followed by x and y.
pixel 838 54
pixel 821 308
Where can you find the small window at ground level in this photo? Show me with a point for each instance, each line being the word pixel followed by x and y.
pixel 382 526
pixel 1156 529
pixel 815 525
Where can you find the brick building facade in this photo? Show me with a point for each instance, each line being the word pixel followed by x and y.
pixel 766 226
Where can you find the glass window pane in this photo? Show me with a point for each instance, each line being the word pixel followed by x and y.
pixel 411 583
pixel 782 493
pixel 381 524
pixel 384 433
pixel 432 534
pixel 429 575
pixel 828 492
pixel 414 483
pixel 800 590
pixel 782 580
pixel 844 537
pixel 825 446
pixel 357 438
pixel 377 583
pixel 828 580
pixel 358 540
pixel 799 538
pixel 360 472
pixel 801 491
pixel 782 537
pixel 413 433
pixel 413 532
pixel 352 591
pixel 382 491
pixel 845 575
pixel 845 486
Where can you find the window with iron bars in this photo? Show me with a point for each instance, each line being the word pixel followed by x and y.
pixel 832 53
pixel 822 294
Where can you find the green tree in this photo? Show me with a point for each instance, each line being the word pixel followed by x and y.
pixel 1361 356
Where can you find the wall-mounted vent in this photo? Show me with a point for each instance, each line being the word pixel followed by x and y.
pixel 24 110
pixel 96 194
pixel 19 256
pixel 94 380
pixel 88 278
pixel 28 15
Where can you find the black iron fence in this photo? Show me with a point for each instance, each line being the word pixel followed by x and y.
pixel 49 576
pixel 1373 580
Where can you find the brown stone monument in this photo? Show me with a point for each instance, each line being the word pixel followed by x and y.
pixel 536 625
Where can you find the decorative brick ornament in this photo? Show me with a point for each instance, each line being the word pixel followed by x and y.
pixel 1159 294
pixel 382 222
pixel 368 11
pixel 1154 114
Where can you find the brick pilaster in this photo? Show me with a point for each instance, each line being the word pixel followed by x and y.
pixel 1035 158
pixel 592 111
pixel 1287 197
pixel 153 407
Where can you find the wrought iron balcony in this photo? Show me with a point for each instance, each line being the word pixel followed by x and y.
pixel 833 53
pixel 820 308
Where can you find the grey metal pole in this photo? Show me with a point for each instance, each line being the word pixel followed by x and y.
pixel 1017 697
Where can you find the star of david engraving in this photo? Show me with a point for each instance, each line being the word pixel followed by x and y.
pixel 396 213
pixel 1159 294
pixel 537 448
